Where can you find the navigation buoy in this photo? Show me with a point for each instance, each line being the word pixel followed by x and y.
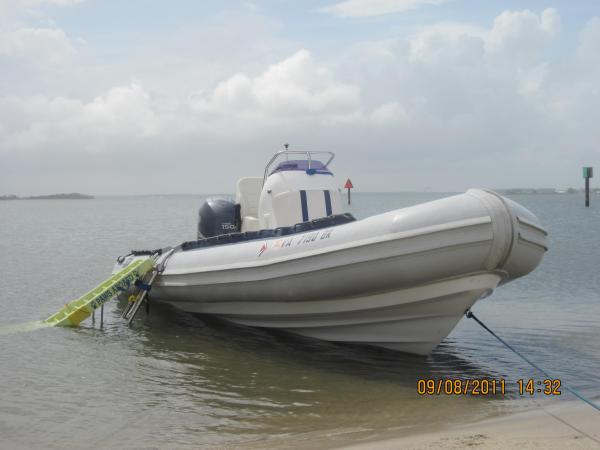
pixel 348 186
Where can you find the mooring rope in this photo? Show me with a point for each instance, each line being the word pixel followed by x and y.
pixel 470 315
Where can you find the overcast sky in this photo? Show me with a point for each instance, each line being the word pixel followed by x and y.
pixel 129 97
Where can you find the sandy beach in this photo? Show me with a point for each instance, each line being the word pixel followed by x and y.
pixel 570 425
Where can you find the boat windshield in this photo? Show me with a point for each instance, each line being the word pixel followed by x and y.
pixel 302 164
pixel 303 160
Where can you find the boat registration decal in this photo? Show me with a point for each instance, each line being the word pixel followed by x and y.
pixel 312 237
pixel 296 241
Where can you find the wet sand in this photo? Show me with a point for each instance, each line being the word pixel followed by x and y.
pixel 571 425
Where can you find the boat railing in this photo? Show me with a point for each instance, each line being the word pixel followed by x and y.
pixel 307 153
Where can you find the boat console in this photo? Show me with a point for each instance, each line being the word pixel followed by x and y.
pixel 296 187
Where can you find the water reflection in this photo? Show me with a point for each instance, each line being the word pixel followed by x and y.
pixel 238 383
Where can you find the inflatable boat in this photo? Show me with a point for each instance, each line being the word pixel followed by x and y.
pixel 284 255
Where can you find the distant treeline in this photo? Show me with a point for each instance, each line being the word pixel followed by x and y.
pixel 542 191
pixel 72 196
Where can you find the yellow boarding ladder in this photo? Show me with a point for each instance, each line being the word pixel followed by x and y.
pixel 73 313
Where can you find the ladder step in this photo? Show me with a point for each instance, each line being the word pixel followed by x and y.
pixel 135 306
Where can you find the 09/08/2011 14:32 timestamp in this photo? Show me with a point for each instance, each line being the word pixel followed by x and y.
pixel 486 386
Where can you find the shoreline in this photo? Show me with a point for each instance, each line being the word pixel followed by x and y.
pixel 71 196
pixel 570 425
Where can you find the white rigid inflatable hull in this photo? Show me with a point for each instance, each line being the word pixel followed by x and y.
pixel 400 280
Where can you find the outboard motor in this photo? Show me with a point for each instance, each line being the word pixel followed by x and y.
pixel 218 216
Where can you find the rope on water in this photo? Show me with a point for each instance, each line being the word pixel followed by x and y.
pixel 470 315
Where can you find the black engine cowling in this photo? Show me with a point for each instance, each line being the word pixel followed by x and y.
pixel 218 216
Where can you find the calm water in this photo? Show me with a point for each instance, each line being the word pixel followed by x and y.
pixel 178 381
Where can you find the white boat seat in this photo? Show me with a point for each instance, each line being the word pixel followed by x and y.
pixel 250 223
pixel 247 194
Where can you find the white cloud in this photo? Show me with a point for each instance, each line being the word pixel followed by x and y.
pixel 368 8
pixel 33 122
pixel 518 34
pixel 32 48
pixel 443 43
pixel 516 37
pixel 123 109
pixel 296 86
pixel 37 45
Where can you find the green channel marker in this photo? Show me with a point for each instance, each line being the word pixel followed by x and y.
pixel 78 310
